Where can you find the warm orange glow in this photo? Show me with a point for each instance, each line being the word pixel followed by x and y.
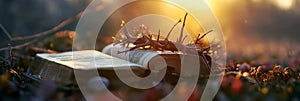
pixel 122 23
pixel 147 46
pixel 285 72
pixel 245 74
pixel 256 1
pixel 264 90
pixel 238 76
pixel 283 4
pixel 240 21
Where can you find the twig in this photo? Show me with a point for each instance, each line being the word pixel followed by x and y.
pixel 182 28
pixel 55 28
pixel 5 32
pixel 172 29
pixel 37 49
pixel 203 35
pixel 18 46
pixel 11 55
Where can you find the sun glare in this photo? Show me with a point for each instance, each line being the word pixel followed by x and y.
pixel 283 4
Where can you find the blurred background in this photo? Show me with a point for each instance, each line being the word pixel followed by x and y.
pixel 250 26
pixel 258 34
pixel 259 27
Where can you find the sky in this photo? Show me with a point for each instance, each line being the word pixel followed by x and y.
pixel 259 26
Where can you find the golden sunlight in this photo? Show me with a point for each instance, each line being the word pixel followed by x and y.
pixel 256 1
pixel 283 4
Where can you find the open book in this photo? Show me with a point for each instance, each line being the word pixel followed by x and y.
pixel 60 66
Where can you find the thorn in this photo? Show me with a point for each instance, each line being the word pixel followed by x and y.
pixel 197 39
pixel 182 28
pixel 158 35
pixel 204 35
pixel 172 29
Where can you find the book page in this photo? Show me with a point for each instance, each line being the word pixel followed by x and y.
pixel 146 58
pixel 88 59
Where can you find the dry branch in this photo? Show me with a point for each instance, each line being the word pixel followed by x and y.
pixel 52 30
pixel 17 46
pixel 59 26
